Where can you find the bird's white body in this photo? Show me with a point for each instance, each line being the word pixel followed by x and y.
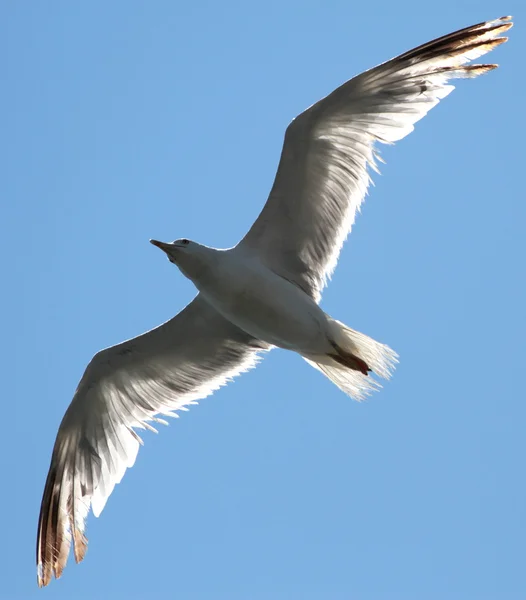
pixel 263 304
pixel 270 308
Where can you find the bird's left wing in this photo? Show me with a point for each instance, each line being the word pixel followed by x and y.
pixel 126 387
pixel 323 175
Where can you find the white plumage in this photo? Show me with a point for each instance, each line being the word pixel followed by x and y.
pixel 260 294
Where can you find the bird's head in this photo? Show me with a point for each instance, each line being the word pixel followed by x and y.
pixel 193 259
pixel 175 250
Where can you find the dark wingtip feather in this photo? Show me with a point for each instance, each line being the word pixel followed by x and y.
pixel 475 70
pixel 80 546
pixel 54 534
pixel 44 566
pixel 459 41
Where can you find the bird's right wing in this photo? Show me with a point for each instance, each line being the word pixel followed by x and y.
pixel 125 387
pixel 323 173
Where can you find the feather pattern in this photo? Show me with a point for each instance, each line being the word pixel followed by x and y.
pixel 126 387
pixel 323 176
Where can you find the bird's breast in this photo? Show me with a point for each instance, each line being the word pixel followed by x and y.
pixel 265 305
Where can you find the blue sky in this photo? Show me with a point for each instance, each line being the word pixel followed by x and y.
pixel 125 121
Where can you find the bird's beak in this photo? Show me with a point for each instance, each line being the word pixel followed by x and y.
pixel 162 245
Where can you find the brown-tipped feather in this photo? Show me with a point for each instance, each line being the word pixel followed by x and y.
pixel 470 70
pixel 449 41
pixel 458 43
pixel 487 46
pixel 80 542
pixel 62 558
pixel 457 46
pixel 80 546
pixel 50 534
pixel 45 545
pixel 54 538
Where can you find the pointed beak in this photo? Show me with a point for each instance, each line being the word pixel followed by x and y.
pixel 162 245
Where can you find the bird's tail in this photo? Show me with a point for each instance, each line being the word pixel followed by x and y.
pixel 354 360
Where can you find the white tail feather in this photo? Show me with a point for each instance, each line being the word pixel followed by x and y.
pixel 379 358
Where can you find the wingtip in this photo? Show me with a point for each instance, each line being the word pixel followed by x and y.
pixel 500 25
pixel 46 571
pixel 80 546
pixel 497 22
pixel 498 29
pixel 58 570
pixel 476 70
pixel 43 577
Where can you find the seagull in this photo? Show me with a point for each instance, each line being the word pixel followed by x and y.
pixel 262 293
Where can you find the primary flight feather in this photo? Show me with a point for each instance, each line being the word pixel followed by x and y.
pixel 263 293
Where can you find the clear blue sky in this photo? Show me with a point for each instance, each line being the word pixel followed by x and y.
pixel 128 120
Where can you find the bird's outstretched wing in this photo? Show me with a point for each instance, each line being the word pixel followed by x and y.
pixel 126 387
pixel 322 176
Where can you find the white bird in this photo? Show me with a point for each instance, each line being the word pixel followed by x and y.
pixel 262 293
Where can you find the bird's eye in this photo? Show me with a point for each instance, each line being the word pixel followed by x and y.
pixel 185 242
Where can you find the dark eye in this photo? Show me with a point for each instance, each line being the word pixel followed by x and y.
pixel 185 242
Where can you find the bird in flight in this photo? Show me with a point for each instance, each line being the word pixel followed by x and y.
pixel 262 293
